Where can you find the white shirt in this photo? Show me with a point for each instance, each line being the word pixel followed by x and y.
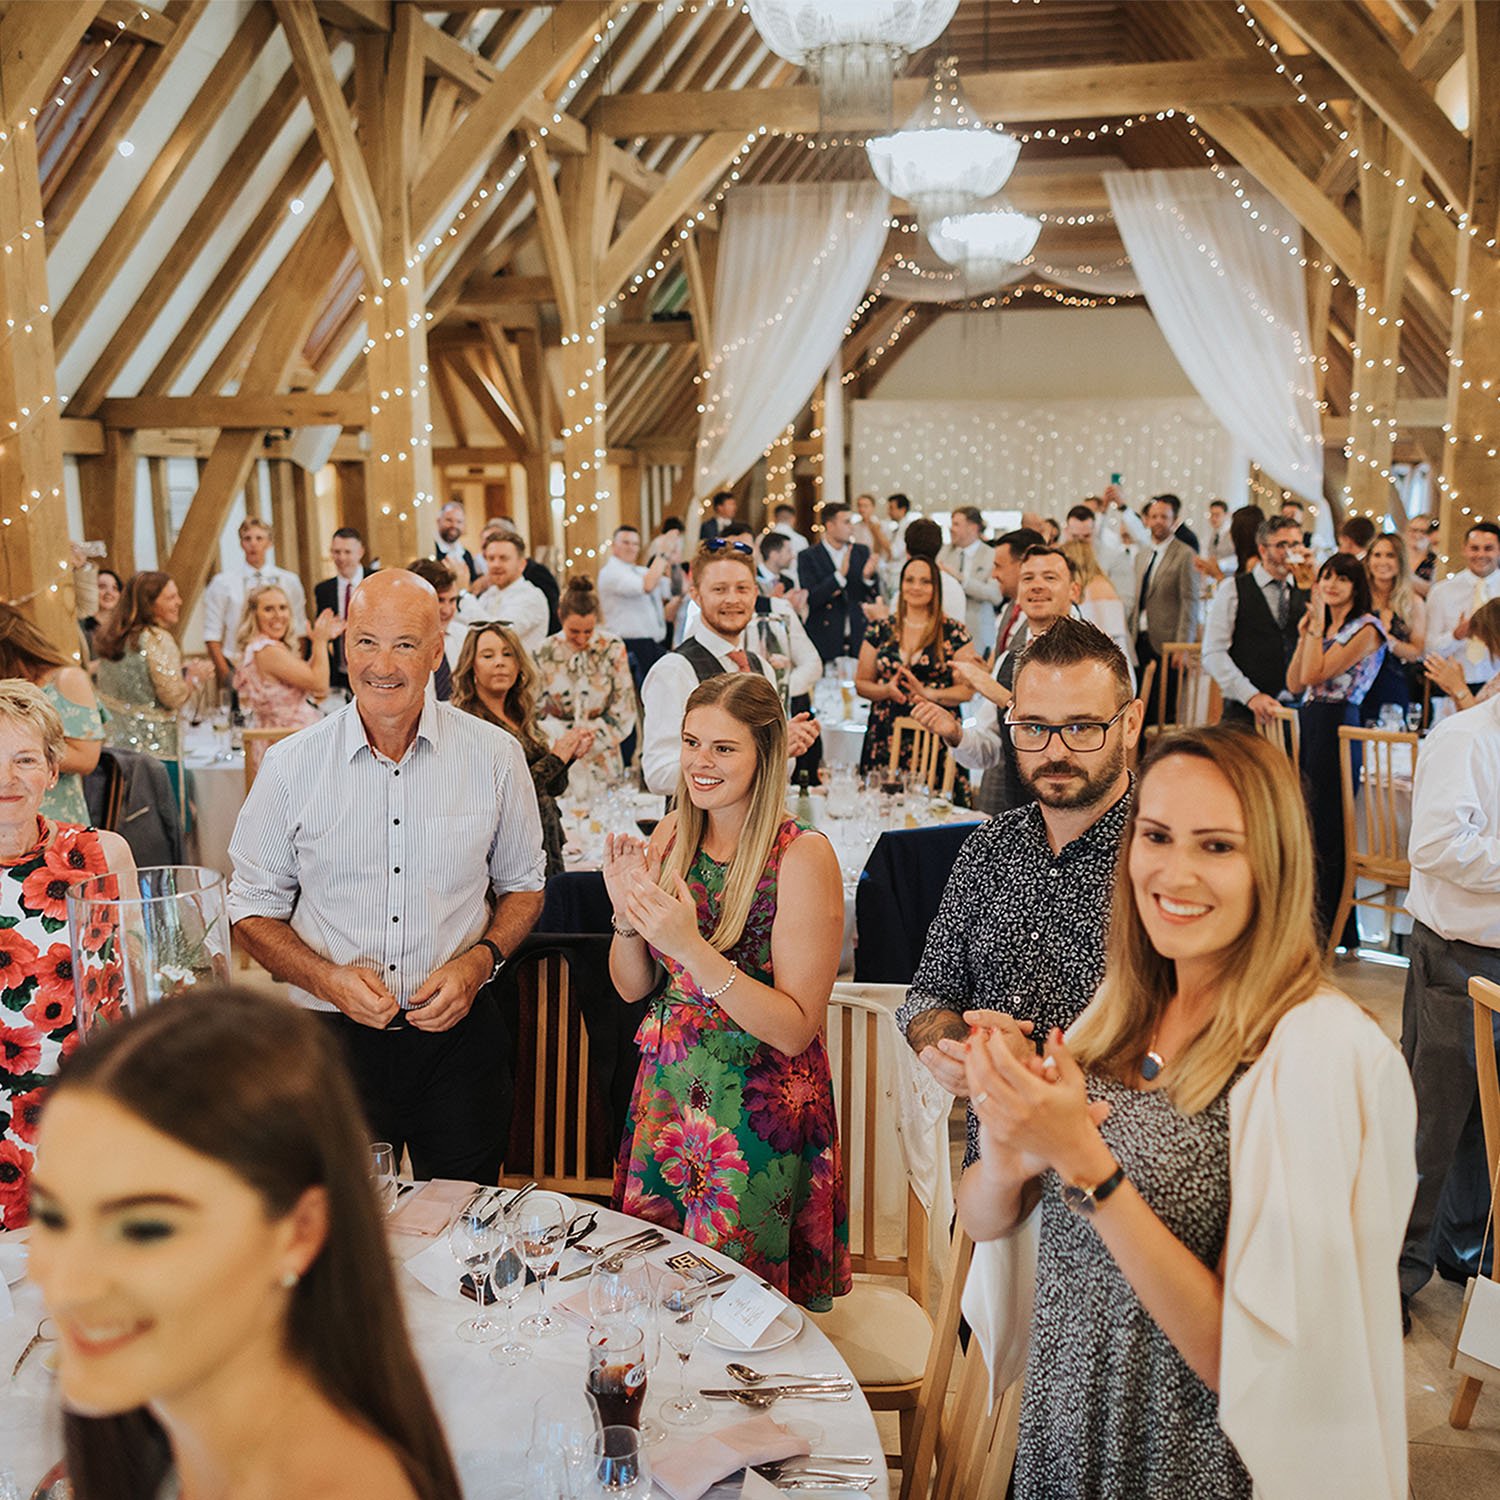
pixel 1446 601
pixel 453 639
pixel 387 864
pixel 1455 828
pixel 798 541
pixel 224 602
pixel 664 695
pixel 1218 633
pixel 521 605
pixel 345 588
pixel 1219 545
pixel 627 608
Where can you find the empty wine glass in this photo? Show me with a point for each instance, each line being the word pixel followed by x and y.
pixel 621 1470
pixel 683 1312
pixel 383 1170
pixel 474 1236
pixel 508 1281
pixel 618 1285
pixel 565 1430
pixel 539 1224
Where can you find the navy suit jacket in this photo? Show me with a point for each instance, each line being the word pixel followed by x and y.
pixel 835 621
pixel 326 596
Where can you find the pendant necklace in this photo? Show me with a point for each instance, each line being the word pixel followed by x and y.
pixel 1153 1062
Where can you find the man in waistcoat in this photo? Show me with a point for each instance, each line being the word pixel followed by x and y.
pixel 1251 631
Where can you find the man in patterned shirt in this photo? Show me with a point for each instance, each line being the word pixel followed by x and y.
pixel 1022 924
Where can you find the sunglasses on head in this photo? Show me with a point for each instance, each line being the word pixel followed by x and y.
pixel 719 543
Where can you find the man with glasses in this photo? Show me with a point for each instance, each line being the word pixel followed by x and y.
pixel 1251 631
pixel 1021 928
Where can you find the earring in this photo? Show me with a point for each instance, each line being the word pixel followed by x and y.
pixel 289 1279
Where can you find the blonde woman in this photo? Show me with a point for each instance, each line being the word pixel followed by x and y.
pixel 1403 612
pixel 729 925
pixel 1098 602
pixel 273 681
pixel 1219 1159
pixel 495 679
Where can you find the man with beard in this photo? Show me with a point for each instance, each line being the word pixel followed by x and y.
pixel 1020 932
pixel 725 590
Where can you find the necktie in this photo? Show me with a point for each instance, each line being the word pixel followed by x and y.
pixel 1283 601
pixel 740 660
pixel 344 588
pixel 1474 647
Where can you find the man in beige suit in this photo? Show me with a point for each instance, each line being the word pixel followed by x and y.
pixel 1167 587
pixel 970 561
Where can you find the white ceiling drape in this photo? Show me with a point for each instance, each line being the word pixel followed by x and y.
pixel 1224 285
pixel 794 261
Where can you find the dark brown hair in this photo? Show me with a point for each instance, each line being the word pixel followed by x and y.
pixel 1070 643
pixel 934 642
pixel 24 650
pixel 578 598
pixel 135 612
pixel 520 698
pixel 257 1085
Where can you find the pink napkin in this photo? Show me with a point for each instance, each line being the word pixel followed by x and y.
pixel 690 1471
pixel 428 1210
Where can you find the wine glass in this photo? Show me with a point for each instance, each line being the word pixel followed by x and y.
pixel 618 1285
pixel 621 1470
pixel 683 1312
pixel 383 1170
pixel 565 1430
pixel 508 1281
pixel 474 1236
pixel 539 1224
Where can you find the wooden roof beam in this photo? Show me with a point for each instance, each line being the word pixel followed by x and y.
pixel 36 42
pixel 302 409
pixel 139 21
pixel 1015 97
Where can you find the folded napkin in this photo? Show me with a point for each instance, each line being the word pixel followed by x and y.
pixel 758 1488
pixel 435 1267
pixel 690 1471
pixel 427 1211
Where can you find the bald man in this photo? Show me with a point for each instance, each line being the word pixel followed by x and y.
pixel 387 862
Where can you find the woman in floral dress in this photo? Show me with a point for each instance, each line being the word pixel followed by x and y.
pixel 39 861
pixel 908 657
pixel 732 1138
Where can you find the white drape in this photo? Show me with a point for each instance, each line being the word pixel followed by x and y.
pixel 1223 282
pixel 794 261
pixel 833 432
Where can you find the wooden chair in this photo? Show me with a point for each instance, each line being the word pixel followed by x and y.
pixel 1195 697
pixel 1375 819
pixel 974 1445
pixel 567 1121
pixel 1284 731
pixel 1485 994
pixel 882 1328
pixel 930 761
pixel 257 742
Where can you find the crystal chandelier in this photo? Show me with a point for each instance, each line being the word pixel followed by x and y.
pixel 984 243
pixel 854 48
pixel 944 160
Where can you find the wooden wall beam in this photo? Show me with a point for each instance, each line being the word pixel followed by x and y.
pixel 107 490
pixel 1481 30
pixel 299 409
pixel 36 42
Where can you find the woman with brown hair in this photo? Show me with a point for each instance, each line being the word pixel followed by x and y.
pixel 26 653
pixel 1447 672
pixel 910 656
pixel 207 1238
pixel 495 679
pixel 1219 1161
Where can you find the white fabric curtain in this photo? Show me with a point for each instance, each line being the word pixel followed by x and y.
pixel 794 260
pixel 921 275
pixel 1223 282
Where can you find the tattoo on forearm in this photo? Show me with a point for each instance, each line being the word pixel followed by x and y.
pixel 933 1026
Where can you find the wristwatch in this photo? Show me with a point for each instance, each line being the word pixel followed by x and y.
pixel 495 953
pixel 1086 1201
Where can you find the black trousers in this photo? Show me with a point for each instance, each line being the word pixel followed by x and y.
pixel 443 1095
pixel 1437 1039
pixel 1321 783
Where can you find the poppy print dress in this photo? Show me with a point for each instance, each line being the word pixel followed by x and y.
pixel 36 991
pixel 729 1141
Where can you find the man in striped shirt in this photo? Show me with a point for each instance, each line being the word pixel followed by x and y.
pixel 386 863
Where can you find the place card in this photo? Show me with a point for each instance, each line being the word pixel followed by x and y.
pixel 746 1310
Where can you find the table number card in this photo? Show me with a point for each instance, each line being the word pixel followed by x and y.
pixel 746 1310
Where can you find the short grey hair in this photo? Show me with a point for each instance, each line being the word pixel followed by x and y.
pixel 25 705
pixel 1271 525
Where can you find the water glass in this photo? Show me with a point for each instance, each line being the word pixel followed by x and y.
pixel 683 1310
pixel 621 1470
pixel 474 1237
pixel 383 1170
pixel 565 1430
pixel 618 1285
pixel 507 1282
pixel 539 1225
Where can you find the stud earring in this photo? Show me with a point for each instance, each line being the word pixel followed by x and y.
pixel 289 1279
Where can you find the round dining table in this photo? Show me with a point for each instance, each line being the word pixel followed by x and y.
pixel 486 1408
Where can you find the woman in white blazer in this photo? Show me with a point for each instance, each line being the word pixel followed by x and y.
pixel 1204 1187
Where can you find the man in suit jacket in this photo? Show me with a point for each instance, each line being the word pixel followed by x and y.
pixel 1180 528
pixel 347 549
pixel 970 561
pixel 450 538
pixel 1167 584
pixel 721 512
pixel 1010 620
pixel 833 573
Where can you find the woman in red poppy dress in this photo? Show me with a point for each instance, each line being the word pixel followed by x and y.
pixel 39 862
pixel 732 1138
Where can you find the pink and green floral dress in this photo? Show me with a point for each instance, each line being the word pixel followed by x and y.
pixel 729 1141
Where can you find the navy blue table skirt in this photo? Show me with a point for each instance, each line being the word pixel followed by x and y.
pixel 899 894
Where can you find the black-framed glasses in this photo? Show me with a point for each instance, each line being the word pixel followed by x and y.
pixel 719 543
pixel 1083 736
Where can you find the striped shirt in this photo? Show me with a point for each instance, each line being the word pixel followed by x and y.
pixel 383 864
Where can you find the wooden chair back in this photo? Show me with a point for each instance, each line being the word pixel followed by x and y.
pixel 1185 694
pixel 565 1119
pixel 1284 731
pixel 864 1115
pixel 1377 815
pixel 257 742
pixel 930 761
pixel 1485 994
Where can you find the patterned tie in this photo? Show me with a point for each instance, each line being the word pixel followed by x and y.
pixel 1474 647
pixel 740 660
pixel 1283 602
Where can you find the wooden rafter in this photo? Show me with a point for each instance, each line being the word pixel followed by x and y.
pixel 35 43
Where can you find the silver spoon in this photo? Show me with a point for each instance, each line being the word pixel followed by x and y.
pixel 746 1376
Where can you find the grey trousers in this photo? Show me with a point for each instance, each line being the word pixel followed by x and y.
pixel 1437 1040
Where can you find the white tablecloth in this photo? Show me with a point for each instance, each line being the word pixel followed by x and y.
pixel 486 1409
pixel 216 791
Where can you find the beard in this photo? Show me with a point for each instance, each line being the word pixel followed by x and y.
pixel 1088 784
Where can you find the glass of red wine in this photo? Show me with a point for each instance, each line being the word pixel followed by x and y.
pixel 617 1372
pixel 647 825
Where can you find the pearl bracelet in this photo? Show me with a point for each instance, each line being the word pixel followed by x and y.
pixel 734 970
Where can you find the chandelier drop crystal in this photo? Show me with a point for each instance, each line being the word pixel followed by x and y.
pixel 854 48
pixel 944 160
pixel 984 243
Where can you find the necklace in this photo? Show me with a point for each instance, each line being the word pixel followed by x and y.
pixel 1153 1062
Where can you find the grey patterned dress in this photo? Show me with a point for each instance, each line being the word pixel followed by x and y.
pixel 1111 1410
